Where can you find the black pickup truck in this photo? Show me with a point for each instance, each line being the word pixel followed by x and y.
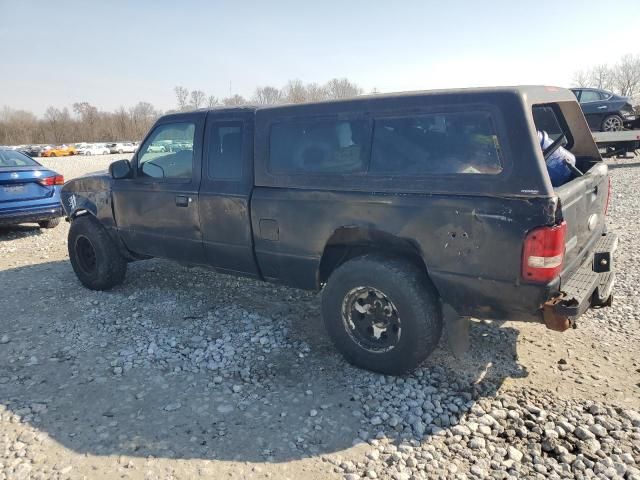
pixel 396 207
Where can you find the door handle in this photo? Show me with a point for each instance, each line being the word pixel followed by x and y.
pixel 183 200
pixel 603 107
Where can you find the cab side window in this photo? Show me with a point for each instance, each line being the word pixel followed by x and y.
pixel 319 146
pixel 225 151
pixel 436 144
pixel 589 96
pixel 168 152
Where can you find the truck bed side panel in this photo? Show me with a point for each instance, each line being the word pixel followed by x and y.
pixel 472 246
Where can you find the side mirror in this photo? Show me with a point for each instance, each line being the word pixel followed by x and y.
pixel 120 169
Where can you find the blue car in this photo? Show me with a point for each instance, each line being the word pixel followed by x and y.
pixel 29 192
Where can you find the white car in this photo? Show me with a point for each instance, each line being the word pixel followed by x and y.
pixel 97 149
pixel 123 147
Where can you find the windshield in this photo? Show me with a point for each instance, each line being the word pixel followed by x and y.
pixel 12 158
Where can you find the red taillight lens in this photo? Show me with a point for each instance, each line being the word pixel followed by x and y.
pixel 51 181
pixel 606 205
pixel 543 253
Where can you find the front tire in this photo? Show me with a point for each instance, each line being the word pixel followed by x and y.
pixel 383 314
pixel 94 256
pixel 612 123
pixel 51 223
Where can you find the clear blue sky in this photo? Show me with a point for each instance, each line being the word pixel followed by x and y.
pixel 112 53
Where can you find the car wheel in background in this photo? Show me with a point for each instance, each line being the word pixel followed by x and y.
pixel 612 123
pixel 120 151
pixel 51 223
pixel 383 314
pixel 52 154
pixel 94 256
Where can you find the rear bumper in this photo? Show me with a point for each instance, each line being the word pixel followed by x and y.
pixel 591 285
pixel 34 214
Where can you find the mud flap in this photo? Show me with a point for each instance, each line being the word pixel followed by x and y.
pixel 457 331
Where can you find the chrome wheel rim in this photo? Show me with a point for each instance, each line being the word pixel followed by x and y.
pixel 612 124
pixel 371 319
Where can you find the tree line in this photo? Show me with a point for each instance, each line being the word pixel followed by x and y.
pixel 622 78
pixel 295 91
pixel 86 123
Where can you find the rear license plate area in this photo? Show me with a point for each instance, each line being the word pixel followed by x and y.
pixel 13 189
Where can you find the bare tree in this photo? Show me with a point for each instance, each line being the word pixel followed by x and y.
pixel 142 117
pixel 197 98
pixel 581 78
pixel 234 101
pixel 88 118
pixel 182 95
pixel 601 76
pixel 58 121
pixel 627 76
pixel 122 124
pixel 267 95
pixel 342 88
pixel 17 126
pixel 212 101
pixel 316 93
pixel 295 92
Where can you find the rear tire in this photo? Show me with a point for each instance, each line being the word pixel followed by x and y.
pixel 383 314
pixel 94 256
pixel 612 123
pixel 51 223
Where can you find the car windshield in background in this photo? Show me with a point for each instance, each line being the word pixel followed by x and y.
pixel 13 158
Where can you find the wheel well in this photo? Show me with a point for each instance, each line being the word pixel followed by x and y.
pixel 347 243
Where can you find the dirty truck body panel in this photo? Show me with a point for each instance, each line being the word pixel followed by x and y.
pixel 240 208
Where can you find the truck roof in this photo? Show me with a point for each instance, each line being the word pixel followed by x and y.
pixel 530 94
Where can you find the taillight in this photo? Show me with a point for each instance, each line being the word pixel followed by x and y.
pixel 51 181
pixel 543 253
pixel 606 205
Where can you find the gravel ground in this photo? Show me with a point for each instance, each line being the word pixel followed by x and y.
pixel 181 372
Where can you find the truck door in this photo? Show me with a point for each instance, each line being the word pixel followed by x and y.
pixel 225 191
pixel 156 211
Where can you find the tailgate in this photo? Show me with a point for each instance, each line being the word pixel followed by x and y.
pixel 583 203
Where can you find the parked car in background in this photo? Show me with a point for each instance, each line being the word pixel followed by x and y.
pixel 122 147
pixel 605 111
pixel 60 151
pixel 32 150
pixel 29 192
pixel 95 149
pixel 157 148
